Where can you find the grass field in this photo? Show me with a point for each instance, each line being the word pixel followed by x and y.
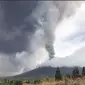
pixel 65 81
pixel 46 81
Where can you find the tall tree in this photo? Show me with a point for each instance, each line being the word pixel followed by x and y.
pixel 58 75
pixel 75 72
pixel 83 71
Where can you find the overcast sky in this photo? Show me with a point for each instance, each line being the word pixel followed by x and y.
pixel 32 32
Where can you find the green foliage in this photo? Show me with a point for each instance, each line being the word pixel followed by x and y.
pixel 37 81
pixel 58 75
pixel 46 79
pixel 68 76
pixel 75 72
pixel 83 71
pixel 11 82
pixel 28 81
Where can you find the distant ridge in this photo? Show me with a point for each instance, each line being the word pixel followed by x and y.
pixel 44 72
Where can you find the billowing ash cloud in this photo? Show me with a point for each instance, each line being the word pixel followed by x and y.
pixel 21 39
pixel 27 33
pixel 24 35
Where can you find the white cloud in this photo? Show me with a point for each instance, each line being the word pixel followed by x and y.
pixel 76 59
pixel 69 34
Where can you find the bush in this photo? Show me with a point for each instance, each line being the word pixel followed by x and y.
pixel 37 81
pixel 11 82
pixel 28 81
pixel 46 79
pixel 68 76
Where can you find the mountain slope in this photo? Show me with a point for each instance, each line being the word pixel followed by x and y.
pixel 44 71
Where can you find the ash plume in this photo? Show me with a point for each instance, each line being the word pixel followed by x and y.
pixel 27 33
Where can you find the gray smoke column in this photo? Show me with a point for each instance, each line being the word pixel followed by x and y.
pixel 55 12
pixel 48 15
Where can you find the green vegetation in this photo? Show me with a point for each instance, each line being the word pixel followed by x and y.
pixel 37 81
pixel 10 82
pixel 75 72
pixel 83 71
pixel 58 75
pixel 68 76
pixel 75 79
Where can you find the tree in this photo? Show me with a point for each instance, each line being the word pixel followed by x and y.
pixel 75 72
pixel 58 75
pixel 12 82
pixel 83 71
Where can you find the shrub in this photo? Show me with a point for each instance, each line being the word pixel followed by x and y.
pixel 11 82
pixel 37 81
pixel 28 81
pixel 68 76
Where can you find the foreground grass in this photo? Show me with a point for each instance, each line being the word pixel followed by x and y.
pixel 65 81
pixel 46 81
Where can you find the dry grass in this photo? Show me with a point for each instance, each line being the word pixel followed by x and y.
pixel 65 81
